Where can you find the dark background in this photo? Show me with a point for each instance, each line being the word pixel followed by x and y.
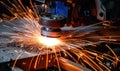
pixel 112 7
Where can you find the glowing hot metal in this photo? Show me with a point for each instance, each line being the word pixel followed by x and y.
pixel 50 42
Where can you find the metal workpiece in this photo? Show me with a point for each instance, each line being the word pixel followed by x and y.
pixel 69 65
pixel 31 60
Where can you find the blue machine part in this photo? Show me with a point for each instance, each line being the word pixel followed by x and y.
pixel 60 9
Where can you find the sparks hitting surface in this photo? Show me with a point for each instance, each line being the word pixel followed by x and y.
pixel 26 31
pixel 50 42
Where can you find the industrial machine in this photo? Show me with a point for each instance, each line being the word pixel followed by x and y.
pixel 58 13
pixel 54 16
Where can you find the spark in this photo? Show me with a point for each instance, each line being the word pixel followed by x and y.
pixel 49 42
